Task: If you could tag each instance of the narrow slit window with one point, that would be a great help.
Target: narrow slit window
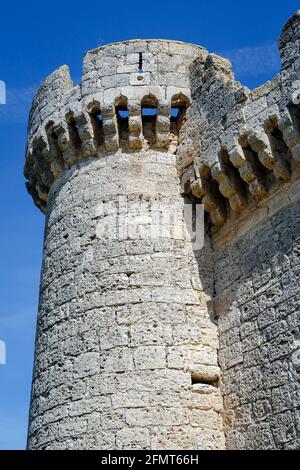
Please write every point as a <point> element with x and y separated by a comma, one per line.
<point>179,106</point>
<point>149,119</point>
<point>121,109</point>
<point>73,132</point>
<point>97,124</point>
<point>140,70</point>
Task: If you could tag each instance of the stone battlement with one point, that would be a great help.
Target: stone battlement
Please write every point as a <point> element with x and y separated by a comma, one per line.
<point>243,167</point>
<point>101,129</point>
<point>125,101</point>
<point>134,95</point>
<point>249,141</point>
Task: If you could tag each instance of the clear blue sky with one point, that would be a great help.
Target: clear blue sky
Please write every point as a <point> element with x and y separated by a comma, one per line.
<point>37,37</point>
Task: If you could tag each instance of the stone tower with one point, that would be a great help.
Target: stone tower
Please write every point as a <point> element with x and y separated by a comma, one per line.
<point>143,341</point>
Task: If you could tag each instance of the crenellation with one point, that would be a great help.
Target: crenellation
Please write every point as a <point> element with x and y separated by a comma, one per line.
<point>75,134</point>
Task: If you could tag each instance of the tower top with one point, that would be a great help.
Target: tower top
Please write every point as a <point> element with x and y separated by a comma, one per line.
<point>68,123</point>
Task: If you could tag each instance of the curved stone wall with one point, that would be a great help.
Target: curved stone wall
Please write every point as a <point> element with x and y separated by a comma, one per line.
<point>126,351</point>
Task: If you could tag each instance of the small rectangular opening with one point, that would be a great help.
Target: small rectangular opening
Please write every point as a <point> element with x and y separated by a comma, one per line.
<point>175,112</point>
<point>74,133</point>
<point>97,123</point>
<point>123,113</point>
<point>205,379</point>
<point>123,123</point>
<point>140,62</point>
<point>147,111</point>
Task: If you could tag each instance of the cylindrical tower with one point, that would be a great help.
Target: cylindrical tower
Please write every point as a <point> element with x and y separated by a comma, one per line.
<point>126,345</point>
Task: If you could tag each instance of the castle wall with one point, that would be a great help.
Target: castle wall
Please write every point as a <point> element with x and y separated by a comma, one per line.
<point>123,323</point>
<point>257,300</point>
<point>246,174</point>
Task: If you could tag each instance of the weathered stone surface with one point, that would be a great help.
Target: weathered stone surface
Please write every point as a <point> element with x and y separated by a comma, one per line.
<point>116,333</point>
<point>143,342</point>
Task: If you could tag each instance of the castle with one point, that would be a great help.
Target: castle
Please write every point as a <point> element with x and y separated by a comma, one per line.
<point>149,343</point>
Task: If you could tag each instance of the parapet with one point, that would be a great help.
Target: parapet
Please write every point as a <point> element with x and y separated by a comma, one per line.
<point>233,146</point>
<point>133,96</point>
<point>249,140</point>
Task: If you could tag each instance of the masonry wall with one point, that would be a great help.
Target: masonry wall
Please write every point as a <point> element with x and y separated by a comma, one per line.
<point>127,339</point>
<point>257,298</point>
<point>245,171</point>
<point>123,323</point>
<point>126,346</point>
